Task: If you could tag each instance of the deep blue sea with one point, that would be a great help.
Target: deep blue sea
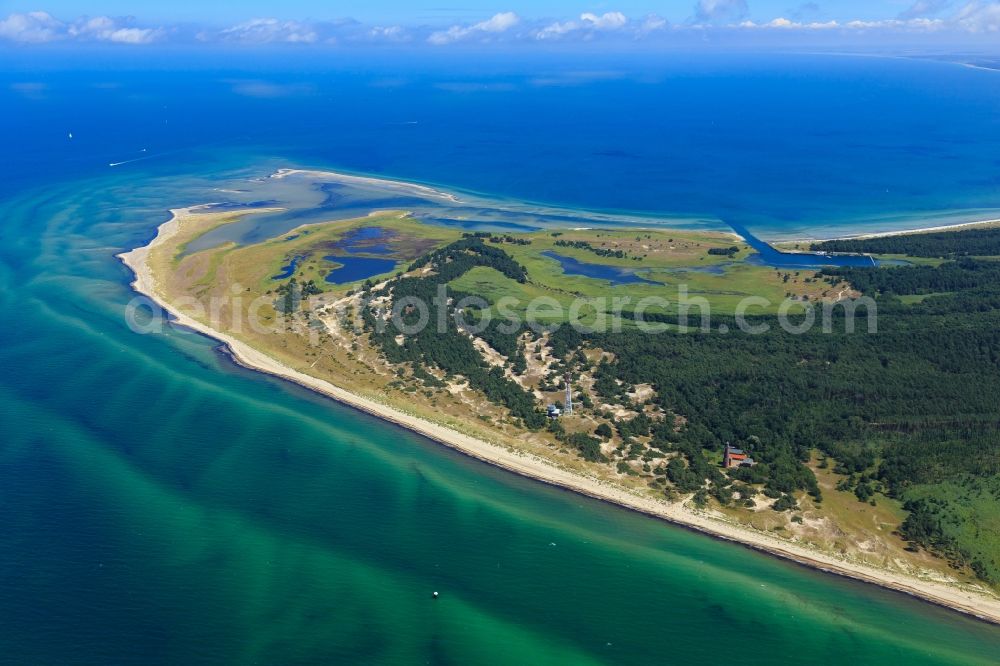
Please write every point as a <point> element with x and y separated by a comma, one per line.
<point>787,145</point>
<point>159,505</point>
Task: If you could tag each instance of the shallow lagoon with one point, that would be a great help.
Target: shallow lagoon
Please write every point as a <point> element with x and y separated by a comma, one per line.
<point>355,269</point>
<point>613,274</point>
<point>289,269</point>
<point>359,241</point>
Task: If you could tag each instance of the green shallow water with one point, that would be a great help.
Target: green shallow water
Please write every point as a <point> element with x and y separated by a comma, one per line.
<point>160,505</point>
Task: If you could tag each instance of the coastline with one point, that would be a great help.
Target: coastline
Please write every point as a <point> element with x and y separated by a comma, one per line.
<point>979,605</point>
<point>724,229</point>
<point>366,180</point>
<point>594,219</point>
<point>897,232</point>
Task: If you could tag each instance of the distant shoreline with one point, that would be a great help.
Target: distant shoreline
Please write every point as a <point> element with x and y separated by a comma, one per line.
<point>979,605</point>
<point>958,226</point>
<point>676,222</point>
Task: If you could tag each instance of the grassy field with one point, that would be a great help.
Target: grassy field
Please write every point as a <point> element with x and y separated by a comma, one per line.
<point>675,260</point>
<point>254,267</point>
<point>671,261</point>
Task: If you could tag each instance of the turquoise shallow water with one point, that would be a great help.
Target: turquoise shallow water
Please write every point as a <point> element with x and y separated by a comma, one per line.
<point>160,505</point>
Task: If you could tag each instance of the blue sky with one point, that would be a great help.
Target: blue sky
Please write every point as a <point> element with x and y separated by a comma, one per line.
<point>450,23</point>
<point>392,11</point>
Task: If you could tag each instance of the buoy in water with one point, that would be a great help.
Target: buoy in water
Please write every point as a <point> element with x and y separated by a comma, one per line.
<point>435,595</point>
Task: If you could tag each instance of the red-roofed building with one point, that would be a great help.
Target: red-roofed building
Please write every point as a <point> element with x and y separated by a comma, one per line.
<point>734,457</point>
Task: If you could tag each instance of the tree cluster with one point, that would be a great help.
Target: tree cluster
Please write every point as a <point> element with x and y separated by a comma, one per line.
<point>944,244</point>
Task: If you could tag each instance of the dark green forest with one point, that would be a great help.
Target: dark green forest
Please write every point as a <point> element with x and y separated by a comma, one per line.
<point>942,244</point>
<point>911,411</point>
<point>913,404</point>
<point>449,349</point>
<point>965,274</point>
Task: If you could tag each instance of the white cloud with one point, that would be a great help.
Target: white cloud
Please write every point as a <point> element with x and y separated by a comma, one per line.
<point>913,25</point>
<point>967,19</point>
<point>392,33</point>
<point>557,29</point>
<point>587,26</point>
<point>270,31</point>
<point>979,17</point>
<point>134,36</point>
<point>107,29</point>
<point>41,28</point>
<point>713,11</point>
<point>654,22</point>
<point>607,21</point>
<point>31,28</point>
<point>497,24</point>
<point>798,25</point>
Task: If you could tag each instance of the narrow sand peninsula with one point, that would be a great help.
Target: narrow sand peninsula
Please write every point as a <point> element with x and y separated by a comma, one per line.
<point>958,226</point>
<point>964,600</point>
<point>397,185</point>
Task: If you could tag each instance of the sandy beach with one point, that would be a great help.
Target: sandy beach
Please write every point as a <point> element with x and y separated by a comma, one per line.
<point>960,226</point>
<point>963,599</point>
<point>365,180</point>
<point>926,230</point>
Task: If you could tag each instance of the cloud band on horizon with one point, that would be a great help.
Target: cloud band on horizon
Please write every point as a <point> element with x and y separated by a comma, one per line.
<point>723,17</point>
